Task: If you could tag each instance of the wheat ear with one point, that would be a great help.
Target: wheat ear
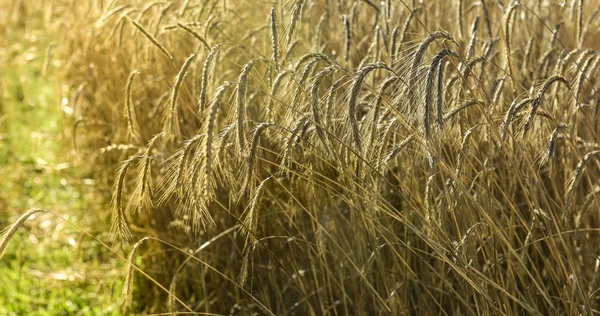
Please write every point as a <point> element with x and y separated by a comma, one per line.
<point>460,17</point>
<point>348,37</point>
<point>127,292</point>
<point>540,95</point>
<point>354,92</point>
<point>172,123</point>
<point>205,70</point>
<point>552,143</point>
<point>252,155</point>
<point>142,195</point>
<point>274,39</point>
<point>296,15</point>
<point>315,102</point>
<point>133,129</point>
<point>242,88</point>
<point>405,28</point>
<point>473,40</point>
<point>154,41</point>
<point>194,34</point>
<point>208,146</point>
<point>274,88</point>
<point>429,90</point>
<point>6,235</point>
<point>507,29</point>
<point>420,53</point>
<point>574,180</point>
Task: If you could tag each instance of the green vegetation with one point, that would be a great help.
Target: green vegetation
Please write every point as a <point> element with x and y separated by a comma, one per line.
<point>312,157</point>
<point>50,268</point>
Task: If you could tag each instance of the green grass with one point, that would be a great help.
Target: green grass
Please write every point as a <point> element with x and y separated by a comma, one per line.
<point>50,268</point>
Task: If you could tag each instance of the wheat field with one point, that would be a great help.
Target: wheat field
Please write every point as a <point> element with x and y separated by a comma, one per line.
<point>339,157</point>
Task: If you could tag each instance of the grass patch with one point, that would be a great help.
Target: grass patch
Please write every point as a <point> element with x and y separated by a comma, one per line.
<point>49,268</point>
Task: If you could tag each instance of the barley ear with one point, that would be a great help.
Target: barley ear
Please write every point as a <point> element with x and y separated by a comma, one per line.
<point>405,28</point>
<point>316,112</point>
